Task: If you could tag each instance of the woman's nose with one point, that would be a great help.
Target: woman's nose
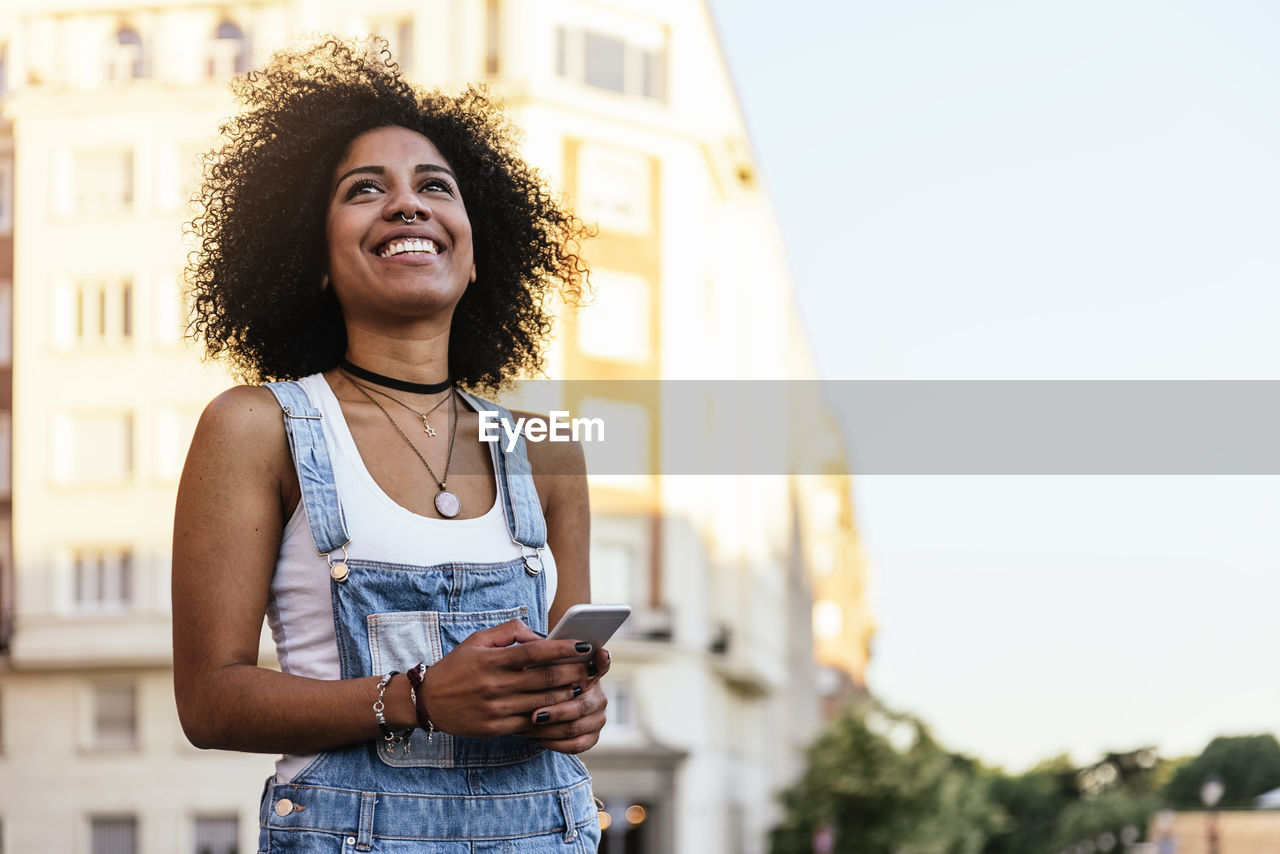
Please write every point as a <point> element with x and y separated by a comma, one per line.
<point>406,205</point>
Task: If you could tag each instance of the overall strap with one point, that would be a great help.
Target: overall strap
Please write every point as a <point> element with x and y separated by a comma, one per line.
<point>519,497</point>
<point>303,424</point>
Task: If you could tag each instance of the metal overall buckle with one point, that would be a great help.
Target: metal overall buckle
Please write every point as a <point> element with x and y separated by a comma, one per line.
<point>531,558</point>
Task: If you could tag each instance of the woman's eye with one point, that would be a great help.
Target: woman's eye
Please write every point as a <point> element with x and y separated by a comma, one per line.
<point>362,187</point>
<point>438,185</point>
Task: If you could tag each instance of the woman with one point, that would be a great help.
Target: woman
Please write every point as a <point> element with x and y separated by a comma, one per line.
<point>382,246</point>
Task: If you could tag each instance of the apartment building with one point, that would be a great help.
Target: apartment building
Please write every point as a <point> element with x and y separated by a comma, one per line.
<point>628,108</point>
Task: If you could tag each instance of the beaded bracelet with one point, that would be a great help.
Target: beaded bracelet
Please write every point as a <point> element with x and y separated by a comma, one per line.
<point>416,676</point>
<point>392,739</point>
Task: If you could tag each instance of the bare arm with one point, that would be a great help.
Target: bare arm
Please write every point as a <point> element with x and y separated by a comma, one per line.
<point>237,486</point>
<point>560,474</point>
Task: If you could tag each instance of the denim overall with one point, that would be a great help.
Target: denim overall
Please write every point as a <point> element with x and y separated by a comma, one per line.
<point>446,795</point>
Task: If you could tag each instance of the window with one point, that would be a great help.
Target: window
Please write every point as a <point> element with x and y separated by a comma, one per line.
<point>102,180</point>
<point>179,169</point>
<point>174,428</point>
<point>125,60</point>
<point>621,566</point>
<point>115,717</point>
<point>626,825</point>
<point>113,835</point>
<point>170,307</point>
<point>614,569</point>
<point>492,37</point>
<point>633,65</point>
<point>91,447</point>
<point>605,60</point>
<point>614,188</point>
<point>6,322</point>
<point>92,314</point>
<point>6,456</point>
<point>622,460</point>
<point>828,619</point>
<point>217,835</point>
<point>227,51</point>
<point>622,709</point>
<point>6,195</point>
<point>102,579</point>
<point>616,324</point>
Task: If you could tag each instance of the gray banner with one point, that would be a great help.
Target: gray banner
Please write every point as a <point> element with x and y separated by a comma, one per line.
<point>912,427</point>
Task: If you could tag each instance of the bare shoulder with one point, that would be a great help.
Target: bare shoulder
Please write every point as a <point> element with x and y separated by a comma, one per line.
<point>242,407</point>
<point>241,431</point>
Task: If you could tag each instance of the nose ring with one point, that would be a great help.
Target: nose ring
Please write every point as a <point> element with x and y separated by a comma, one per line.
<point>409,219</point>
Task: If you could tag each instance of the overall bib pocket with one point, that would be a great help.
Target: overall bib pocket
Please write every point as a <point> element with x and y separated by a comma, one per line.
<point>401,639</point>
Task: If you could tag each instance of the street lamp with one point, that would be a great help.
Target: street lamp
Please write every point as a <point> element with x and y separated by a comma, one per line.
<point>1211,791</point>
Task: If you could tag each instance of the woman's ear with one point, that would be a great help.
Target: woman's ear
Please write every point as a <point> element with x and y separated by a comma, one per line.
<point>324,281</point>
<point>473,272</point>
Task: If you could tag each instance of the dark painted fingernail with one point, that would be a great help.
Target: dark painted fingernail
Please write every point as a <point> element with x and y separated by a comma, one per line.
<point>592,670</point>
<point>582,646</point>
<point>577,689</point>
<point>538,633</point>
<point>608,658</point>
<point>542,717</point>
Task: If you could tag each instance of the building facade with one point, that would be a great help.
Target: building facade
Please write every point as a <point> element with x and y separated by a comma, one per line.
<point>628,109</point>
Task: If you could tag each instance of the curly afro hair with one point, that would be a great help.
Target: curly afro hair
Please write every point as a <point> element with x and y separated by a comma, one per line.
<point>256,275</point>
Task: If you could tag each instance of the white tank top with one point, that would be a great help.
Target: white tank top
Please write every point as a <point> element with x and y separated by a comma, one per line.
<point>300,611</point>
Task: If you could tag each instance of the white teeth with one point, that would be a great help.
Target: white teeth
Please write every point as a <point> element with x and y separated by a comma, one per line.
<point>409,244</point>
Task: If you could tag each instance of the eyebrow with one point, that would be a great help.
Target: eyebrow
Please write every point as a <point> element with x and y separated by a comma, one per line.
<point>382,170</point>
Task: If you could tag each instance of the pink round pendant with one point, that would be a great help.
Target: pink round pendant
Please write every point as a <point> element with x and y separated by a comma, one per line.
<point>447,504</point>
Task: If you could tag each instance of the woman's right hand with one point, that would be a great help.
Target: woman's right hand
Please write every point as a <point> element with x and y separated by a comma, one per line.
<point>489,684</point>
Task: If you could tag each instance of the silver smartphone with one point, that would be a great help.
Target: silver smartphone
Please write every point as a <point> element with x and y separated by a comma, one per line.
<point>592,623</point>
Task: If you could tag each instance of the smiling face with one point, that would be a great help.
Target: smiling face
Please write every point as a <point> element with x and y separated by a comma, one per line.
<point>379,265</point>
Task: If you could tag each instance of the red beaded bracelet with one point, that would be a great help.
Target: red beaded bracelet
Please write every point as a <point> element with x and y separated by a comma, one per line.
<point>416,676</point>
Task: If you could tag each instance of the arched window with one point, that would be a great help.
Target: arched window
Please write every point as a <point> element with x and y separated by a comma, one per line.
<point>126,59</point>
<point>227,51</point>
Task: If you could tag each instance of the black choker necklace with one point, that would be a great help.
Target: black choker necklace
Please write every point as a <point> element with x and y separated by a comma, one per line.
<point>392,382</point>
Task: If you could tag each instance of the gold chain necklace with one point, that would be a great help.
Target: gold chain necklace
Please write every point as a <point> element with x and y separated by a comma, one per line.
<point>426,427</point>
<point>447,503</point>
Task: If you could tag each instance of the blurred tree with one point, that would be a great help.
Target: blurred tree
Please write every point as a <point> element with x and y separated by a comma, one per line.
<point>1248,765</point>
<point>1033,801</point>
<point>1109,811</point>
<point>881,785</point>
<point>1165,772</point>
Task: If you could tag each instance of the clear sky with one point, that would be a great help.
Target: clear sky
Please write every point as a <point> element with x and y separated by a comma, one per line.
<point>1012,190</point>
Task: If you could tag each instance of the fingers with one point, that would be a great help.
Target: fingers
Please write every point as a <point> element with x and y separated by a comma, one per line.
<point>510,632</point>
<point>495,682</point>
<point>525,648</point>
<point>564,719</point>
<point>571,726</point>
<point>511,714</point>
<point>571,745</point>
<point>550,677</point>
<point>600,664</point>
<point>540,653</point>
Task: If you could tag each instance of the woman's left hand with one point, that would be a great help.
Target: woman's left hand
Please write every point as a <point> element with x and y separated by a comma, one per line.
<point>574,725</point>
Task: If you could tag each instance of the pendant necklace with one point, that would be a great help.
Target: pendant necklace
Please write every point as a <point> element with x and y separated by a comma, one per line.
<point>426,426</point>
<point>447,503</point>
